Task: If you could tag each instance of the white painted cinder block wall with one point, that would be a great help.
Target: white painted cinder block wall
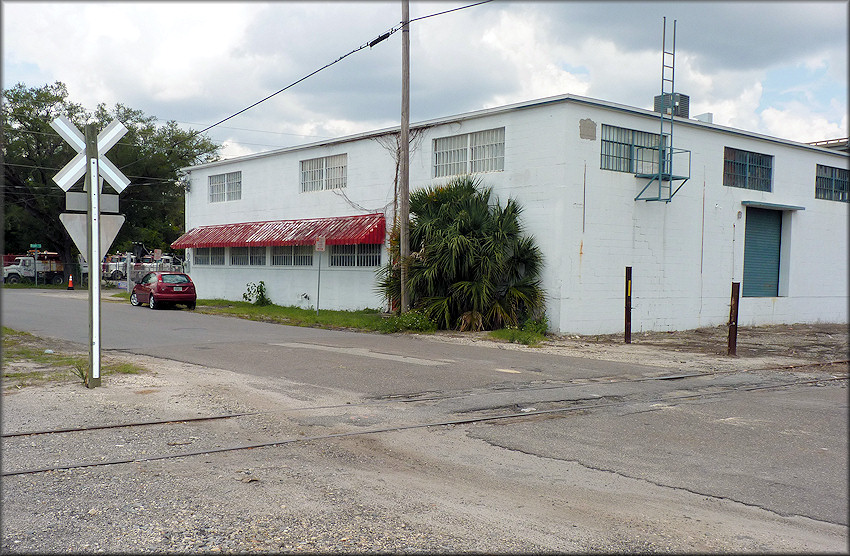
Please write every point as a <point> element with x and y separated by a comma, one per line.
<point>685,254</point>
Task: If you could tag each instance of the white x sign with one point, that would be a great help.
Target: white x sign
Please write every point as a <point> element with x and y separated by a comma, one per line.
<point>75,169</point>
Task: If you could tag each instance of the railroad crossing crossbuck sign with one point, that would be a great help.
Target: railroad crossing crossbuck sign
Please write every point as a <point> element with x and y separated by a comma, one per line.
<point>76,222</point>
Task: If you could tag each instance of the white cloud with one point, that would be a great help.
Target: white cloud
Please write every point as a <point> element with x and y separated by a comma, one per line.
<point>202,61</point>
<point>798,123</point>
<point>528,52</point>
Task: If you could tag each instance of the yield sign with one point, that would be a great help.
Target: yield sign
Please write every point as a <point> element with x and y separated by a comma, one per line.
<point>76,223</point>
<point>75,169</point>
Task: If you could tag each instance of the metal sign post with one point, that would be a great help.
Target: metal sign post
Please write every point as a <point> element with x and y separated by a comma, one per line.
<point>320,247</point>
<point>35,246</point>
<point>92,186</point>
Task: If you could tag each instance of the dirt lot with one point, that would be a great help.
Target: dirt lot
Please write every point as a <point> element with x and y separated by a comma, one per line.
<point>760,347</point>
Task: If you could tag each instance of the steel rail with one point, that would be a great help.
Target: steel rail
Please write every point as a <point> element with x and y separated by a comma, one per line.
<point>400,399</point>
<point>452,422</point>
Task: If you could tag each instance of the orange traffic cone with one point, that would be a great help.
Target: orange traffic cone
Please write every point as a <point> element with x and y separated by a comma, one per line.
<point>70,282</point>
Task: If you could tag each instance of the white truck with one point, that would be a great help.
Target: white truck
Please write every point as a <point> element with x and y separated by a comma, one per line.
<point>48,269</point>
<point>115,267</point>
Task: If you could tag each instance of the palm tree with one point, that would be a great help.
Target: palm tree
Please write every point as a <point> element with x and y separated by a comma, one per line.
<point>470,266</point>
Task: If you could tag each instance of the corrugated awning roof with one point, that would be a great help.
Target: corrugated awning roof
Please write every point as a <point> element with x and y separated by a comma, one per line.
<point>341,230</point>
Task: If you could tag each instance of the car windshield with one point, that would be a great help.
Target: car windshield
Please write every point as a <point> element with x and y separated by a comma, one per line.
<point>175,278</point>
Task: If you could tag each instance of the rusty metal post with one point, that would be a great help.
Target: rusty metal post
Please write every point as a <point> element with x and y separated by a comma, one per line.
<point>733,320</point>
<point>628,304</point>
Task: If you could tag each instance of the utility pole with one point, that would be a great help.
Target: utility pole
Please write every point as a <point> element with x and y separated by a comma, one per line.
<point>404,155</point>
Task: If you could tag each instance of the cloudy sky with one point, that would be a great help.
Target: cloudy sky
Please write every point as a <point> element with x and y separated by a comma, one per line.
<point>774,68</point>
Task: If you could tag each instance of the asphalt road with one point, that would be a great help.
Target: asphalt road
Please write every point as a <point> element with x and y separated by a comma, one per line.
<point>740,437</point>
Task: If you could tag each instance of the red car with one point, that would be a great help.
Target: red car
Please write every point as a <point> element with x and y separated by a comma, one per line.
<point>159,289</point>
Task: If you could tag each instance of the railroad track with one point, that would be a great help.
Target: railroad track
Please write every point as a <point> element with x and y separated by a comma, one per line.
<point>470,407</point>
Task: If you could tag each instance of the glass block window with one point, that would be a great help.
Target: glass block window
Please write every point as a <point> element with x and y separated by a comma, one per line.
<point>831,183</point>
<point>327,172</point>
<point>487,150</point>
<point>629,150</point>
<point>225,187</point>
<point>239,256</point>
<point>257,256</point>
<point>202,255</point>
<point>747,170</point>
<point>217,255</point>
<point>482,151</point>
<point>355,255</point>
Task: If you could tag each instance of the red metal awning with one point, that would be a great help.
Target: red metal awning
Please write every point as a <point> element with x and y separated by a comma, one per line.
<point>341,230</point>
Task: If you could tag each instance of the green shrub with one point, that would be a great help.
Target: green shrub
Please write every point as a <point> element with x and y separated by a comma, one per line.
<point>410,321</point>
<point>516,336</point>
<point>256,294</point>
<point>538,326</point>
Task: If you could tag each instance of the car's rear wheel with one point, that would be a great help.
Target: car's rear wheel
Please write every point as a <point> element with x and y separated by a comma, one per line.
<point>152,303</point>
<point>134,300</point>
<point>190,306</point>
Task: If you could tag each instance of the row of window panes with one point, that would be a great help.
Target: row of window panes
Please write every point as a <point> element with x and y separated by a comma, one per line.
<point>831,183</point>
<point>629,150</point>
<point>363,254</point>
<point>747,170</point>
<point>291,255</point>
<point>482,151</point>
<point>327,172</point>
<point>209,256</point>
<point>225,187</point>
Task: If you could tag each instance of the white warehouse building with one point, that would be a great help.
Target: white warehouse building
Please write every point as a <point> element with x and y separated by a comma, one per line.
<point>727,206</point>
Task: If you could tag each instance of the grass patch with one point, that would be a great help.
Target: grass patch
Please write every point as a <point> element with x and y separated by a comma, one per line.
<point>365,319</point>
<point>31,285</point>
<point>513,335</point>
<point>29,360</point>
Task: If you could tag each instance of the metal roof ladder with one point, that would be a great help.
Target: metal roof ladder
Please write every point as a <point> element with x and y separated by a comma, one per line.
<point>663,183</point>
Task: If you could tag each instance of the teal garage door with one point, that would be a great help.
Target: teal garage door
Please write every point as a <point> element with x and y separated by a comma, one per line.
<point>762,239</point>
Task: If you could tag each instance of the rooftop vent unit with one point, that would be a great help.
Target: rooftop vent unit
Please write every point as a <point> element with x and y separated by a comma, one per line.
<point>678,103</point>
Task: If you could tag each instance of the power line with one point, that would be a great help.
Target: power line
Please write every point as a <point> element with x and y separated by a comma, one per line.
<point>253,130</point>
<point>450,11</point>
<point>36,167</point>
<point>369,44</point>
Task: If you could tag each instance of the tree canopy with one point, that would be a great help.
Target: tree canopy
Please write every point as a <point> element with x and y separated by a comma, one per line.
<point>150,155</point>
<point>470,267</point>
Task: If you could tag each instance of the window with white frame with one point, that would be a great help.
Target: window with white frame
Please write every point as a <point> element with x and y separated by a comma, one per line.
<point>282,255</point>
<point>217,256</point>
<point>747,170</point>
<point>202,255</point>
<point>327,172</point>
<point>369,254</point>
<point>629,150</point>
<point>225,187</point>
<point>482,151</point>
<point>302,255</point>
<point>257,256</point>
<point>292,255</point>
<point>363,254</point>
<point>831,183</point>
<point>239,256</point>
